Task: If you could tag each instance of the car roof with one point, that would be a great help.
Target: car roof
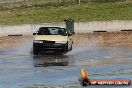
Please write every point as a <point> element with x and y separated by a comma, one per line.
<point>50,27</point>
<point>53,27</point>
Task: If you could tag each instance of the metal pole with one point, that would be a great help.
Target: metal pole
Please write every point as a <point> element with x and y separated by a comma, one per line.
<point>79,1</point>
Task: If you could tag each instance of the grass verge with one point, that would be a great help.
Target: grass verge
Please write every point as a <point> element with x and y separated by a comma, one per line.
<point>41,12</point>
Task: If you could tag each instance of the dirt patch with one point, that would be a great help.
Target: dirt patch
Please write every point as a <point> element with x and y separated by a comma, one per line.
<point>114,37</point>
<point>110,38</point>
<point>103,38</point>
<point>82,37</point>
<point>9,41</point>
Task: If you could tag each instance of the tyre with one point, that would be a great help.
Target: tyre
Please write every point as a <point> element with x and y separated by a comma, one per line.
<point>35,52</point>
<point>66,47</point>
<point>70,48</point>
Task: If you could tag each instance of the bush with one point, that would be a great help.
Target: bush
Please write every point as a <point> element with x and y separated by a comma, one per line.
<point>101,1</point>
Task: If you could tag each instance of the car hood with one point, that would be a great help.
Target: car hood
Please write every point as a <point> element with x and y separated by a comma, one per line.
<point>51,37</point>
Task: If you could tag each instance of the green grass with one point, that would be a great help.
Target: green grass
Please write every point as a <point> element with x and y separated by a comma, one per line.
<point>45,12</point>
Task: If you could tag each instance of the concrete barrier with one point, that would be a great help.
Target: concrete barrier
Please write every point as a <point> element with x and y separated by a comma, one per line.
<point>15,30</point>
<point>80,27</point>
<point>109,26</point>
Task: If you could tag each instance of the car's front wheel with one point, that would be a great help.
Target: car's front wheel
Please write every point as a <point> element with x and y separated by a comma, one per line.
<point>65,49</point>
<point>35,51</point>
<point>70,48</point>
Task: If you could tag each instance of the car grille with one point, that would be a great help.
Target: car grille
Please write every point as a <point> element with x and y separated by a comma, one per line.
<point>48,42</point>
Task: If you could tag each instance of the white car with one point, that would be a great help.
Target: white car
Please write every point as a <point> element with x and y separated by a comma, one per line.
<point>52,39</point>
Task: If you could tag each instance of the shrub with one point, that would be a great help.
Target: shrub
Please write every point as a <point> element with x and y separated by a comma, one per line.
<point>101,1</point>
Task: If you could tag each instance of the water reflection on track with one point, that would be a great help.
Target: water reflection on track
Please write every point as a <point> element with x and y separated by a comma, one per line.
<point>45,61</point>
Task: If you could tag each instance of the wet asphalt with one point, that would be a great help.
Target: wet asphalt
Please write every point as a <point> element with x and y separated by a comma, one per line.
<point>19,68</point>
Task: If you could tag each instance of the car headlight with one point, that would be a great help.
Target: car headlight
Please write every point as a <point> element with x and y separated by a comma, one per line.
<point>63,42</point>
<point>37,41</point>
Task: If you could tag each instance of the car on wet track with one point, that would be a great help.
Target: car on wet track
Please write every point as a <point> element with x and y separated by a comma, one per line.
<point>52,40</point>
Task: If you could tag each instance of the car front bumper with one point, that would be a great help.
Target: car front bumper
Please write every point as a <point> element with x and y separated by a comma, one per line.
<point>47,47</point>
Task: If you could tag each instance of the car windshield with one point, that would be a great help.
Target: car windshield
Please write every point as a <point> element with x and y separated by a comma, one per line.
<point>52,31</point>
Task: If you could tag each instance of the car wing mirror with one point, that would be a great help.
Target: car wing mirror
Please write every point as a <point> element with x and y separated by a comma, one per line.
<point>35,33</point>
